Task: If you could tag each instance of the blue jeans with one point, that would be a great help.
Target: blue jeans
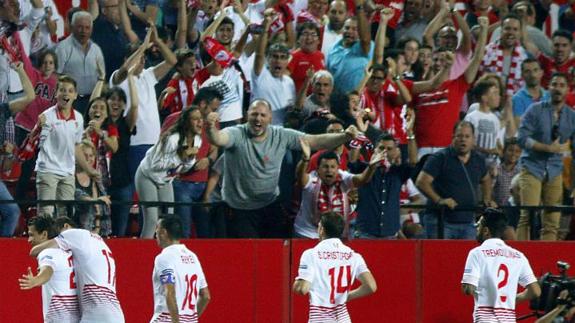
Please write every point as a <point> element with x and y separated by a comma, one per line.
<point>451,230</point>
<point>192,192</point>
<point>121,212</point>
<point>135,156</point>
<point>9,213</point>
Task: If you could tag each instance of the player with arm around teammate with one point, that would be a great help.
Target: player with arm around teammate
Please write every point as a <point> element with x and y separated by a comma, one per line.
<point>181,292</point>
<point>95,271</point>
<point>493,270</point>
<point>55,275</point>
<point>328,271</point>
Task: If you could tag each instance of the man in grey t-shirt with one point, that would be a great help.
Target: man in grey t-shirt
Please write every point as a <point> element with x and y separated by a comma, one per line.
<point>254,153</point>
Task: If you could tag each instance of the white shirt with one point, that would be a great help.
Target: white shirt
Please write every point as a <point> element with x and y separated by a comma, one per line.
<point>58,139</point>
<point>322,266</point>
<point>495,269</point>
<point>278,91</point>
<point>95,270</point>
<point>306,222</point>
<point>231,86</point>
<point>330,37</point>
<point>148,122</point>
<point>162,163</point>
<point>59,295</point>
<point>177,265</point>
<point>487,129</point>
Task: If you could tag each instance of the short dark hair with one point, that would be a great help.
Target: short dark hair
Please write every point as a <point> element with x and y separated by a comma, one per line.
<point>482,87</point>
<point>496,221</point>
<point>173,225</point>
<point>385,136</point>
<point>336,121</point>
<point>512,16</point>
<point>403,41</point>
<point>563,33</point>
<point>379,67</point>
<point>511,141</point>
<point>182,54</point>
<point>333,224</point>
<point>116,90</point>
<point>307,25</point>
<point>207,94</point>
<point>327,155</point>
<point>67,79</point>
<point>46,52</point>
<point>43,223</point>
<point>559,74</point>
<point>529,60</point>
<point>61,221</point>
<point>278,48</point>
<point>226,21</point>
<point>463,123</point>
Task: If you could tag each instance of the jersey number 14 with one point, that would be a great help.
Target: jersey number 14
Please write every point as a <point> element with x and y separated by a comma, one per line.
<point>342,286</point>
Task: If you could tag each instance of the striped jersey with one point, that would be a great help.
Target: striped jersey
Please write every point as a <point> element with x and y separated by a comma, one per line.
<point>177,265</point>
<point>59,296</point>
<point>95,270</point>
<point>331,268</point>
<point>495,269</point>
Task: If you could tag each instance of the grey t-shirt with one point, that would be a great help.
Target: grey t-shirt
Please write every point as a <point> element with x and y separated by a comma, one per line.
<point>252,169</point>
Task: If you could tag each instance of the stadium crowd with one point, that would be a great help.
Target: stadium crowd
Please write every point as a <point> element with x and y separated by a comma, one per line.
<point>269,113</point>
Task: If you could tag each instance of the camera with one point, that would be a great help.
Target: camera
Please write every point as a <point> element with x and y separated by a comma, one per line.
<point>551,286</point>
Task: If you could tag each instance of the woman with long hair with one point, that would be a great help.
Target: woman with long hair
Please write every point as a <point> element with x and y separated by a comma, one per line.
<point>173,154</point>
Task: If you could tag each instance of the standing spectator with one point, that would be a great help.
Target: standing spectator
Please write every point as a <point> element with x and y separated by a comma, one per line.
<point>254,154</point>
<point>112,31</point>
<point>142,13</point>
<point>450,178</point>
<point>495,301</point>
<point>307,56</point>
<point>326,189</point>
<point>333,31</point>
<point>410,48</point>
<point>334,126</point>
<point>175,153</point>
<point>532,92</point>
<point>148,117</point>
<point>319,101</point>
<point>78,56</point>
<point>545,134</point>
<point>412,23</point>
<point>561,60</point>
<point>271,82</point>
<point>506,171</point>
<point>179,92</point>
<point>350,55</point>
<point>60,137</point>
<point>505,55</point>
<point>378,212</point>
<point>9,213</point>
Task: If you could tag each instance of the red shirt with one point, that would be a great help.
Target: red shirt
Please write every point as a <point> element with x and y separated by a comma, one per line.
<point>301,62</point>
<point>549,67</point>
<point>184,91</point>
<point>437,112</point>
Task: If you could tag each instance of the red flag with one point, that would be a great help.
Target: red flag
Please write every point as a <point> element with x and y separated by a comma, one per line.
<point>218,52</point>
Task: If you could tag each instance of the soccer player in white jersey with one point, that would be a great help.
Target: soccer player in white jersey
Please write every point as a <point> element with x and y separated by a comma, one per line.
<point>493,270</point>
<point>180,289</point>
<point>55,275</point>
<point>328,271</point>
<point>95,270</point>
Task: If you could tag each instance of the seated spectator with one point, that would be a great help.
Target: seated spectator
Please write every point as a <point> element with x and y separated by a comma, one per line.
<point>96,217</point>
<point>175,153</point>
<point>325,190</point>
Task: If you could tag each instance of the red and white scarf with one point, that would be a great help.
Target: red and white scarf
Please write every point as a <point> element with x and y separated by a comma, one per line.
<point>331,198</point>
<point>493,63</point>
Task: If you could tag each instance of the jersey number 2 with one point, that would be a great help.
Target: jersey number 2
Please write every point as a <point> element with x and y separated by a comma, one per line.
<point>340,288</point>
<point>191,292</point>
<point>503,268</point>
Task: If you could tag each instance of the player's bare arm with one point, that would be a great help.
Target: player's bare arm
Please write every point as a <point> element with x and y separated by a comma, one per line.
<point>468,289</point>
<point>368,286</point>
<point>301,287</point>
<point>29,281</point>
<point>35,251</point>
<point>203,300</point>
<point>172,303</point>
<point>532,291</point>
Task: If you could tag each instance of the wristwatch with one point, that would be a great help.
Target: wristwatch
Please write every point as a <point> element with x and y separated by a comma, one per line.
<point>397,78</point>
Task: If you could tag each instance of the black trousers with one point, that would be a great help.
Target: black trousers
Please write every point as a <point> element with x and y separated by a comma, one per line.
<point>268,222</point>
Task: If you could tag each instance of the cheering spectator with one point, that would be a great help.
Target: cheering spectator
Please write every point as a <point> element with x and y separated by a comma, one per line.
<point>560,61</point>
<point>142,12</point>
<point>412,23</point>
<point>319,100</point>
<point>410,48</point>
<point>307,56</point>
<point>333,31</point>
<point>78,56</point>
<point>254,154</point>
<point>179,93</point>
<point>334,126</point>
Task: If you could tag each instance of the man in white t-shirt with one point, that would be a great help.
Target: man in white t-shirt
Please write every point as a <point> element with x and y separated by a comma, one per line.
<point>55,275</point>
<point>493,271</point>
<point>95,271</point>
<point>328,271</point>
<point>181,292</point>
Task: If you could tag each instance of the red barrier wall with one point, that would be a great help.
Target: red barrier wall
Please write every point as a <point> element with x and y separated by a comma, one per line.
<point>418,281</point>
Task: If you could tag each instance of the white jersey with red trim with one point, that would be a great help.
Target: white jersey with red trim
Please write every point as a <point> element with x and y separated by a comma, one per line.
<point>177,265</point>
<point>331,268</point>
<point>95,270</point>
<point>59,295</point>
<point>495,269</point>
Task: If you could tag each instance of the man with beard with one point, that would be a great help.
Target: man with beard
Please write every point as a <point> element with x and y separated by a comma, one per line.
<point>532,91</point>
<point>560,61</point>
<point>545,133</point>
<point>332,32</point>
<point>254,153</point>
<point>493,271</point>
<point>450,178</point>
